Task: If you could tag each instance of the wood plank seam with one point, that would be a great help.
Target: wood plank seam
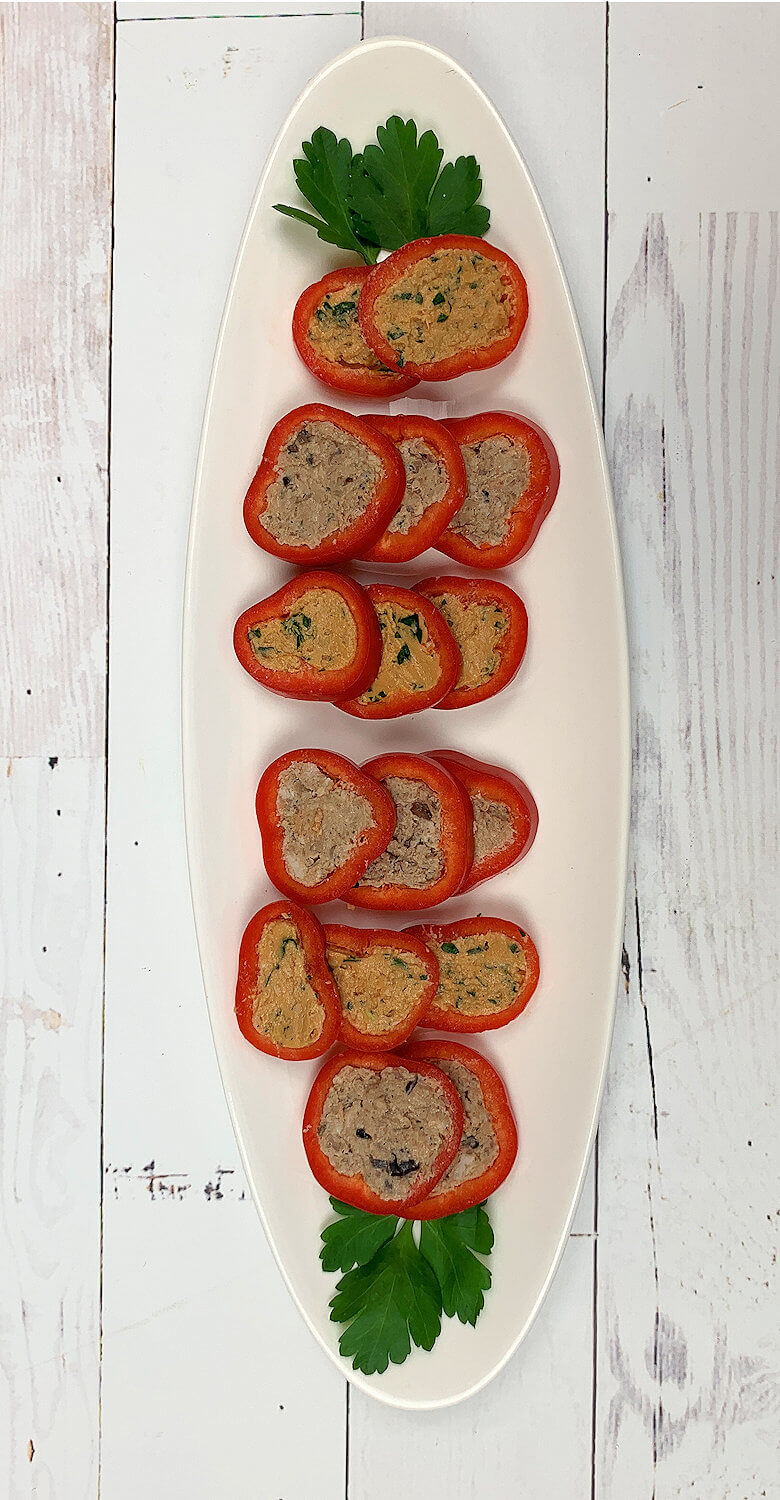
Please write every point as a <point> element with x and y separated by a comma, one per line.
<point>106,754</point>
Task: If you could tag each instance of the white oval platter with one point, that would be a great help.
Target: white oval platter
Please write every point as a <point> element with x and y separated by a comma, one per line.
<point>563,725</point>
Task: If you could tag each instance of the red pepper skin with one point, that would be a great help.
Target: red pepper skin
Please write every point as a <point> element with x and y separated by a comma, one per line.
<point>313,945</point>
<point>442,1018</point>
<point>387,271</point>
<point>308,684</point>
<point>400,546</point>
<point>495,784</point>
<point>362,940</point>
<point>354,1189</point>
<point>477,1189</point>
<point>510,648</point>
<point>457,836</point>
<point>354,380</point>
<point>372,843</point>
<point>537,499</point>
<point>356,536</point>
<point>404,701</point>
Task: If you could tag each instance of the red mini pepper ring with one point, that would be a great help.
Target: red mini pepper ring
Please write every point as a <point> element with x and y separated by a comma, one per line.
<point>440,862</point>
<point>451,1195</point>
<point>505,815</point>
<point>319,814</point>
<point>432,327</point>
<point>420,657</point>
<point>385,980</point>
<point>397,1141</point>
<point>340,631</point>
<point>469,538</point>
<point>489,658</point>
<point>472,997</point>
<point>286,1001</point>
<point>328,310</point>
<point>378,489</point>
<point>421,442</point>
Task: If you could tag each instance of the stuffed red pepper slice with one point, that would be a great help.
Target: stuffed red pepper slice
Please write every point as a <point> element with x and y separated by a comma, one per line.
<point>488,1145</point>
<point>385,980</point>
<point>490,625</point>
<point>286,1001</point>
<point>435,486</point>
<point>420,659</point>
<point>316,637</point>
<point>505,814</point>
<point>326,487</point>
<point>432,847</point>
<point>442,306</point>
<point>380,1131</point>
<point>488,971</point>
<point>327,334</point>
<point>512,476</point>
<point>323,822</point>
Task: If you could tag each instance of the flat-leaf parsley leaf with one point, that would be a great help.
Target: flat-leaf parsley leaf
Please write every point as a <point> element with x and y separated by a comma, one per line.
<point>450,1245</point>
<point>353,1238</point>
<point>391,1303</point>
<point>394,191</point>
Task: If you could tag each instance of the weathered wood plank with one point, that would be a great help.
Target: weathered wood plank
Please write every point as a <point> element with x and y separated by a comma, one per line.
<point>51,951</point>
<point>203,1346</point>
<point>55,208</point>
<point>688,1379</point>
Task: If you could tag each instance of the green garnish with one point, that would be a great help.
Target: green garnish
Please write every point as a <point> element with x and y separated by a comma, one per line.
<point>392,192</point>
<point>396,1287</point>
<point>413,623</point>
<point>403,655</point>
<point>449,947</point>
<point>298,625</point>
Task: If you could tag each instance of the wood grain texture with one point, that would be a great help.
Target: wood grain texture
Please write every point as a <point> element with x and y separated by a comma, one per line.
<point>55,207</point>
<point>203,1344</point>
<point>688,1376</point>
<point>51,949</point>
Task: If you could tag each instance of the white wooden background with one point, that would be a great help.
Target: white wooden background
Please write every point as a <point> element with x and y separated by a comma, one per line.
<point>147,1344</point>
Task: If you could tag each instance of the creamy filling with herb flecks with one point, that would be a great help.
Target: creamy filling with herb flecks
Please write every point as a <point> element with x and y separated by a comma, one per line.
<point>410,659</point>
<point>445,304</point>
<point>285,1006</point>
<point>479,974</point>
<point>378,988</point>
<point>316,634</point>
<point>478,629</point>
<point>334,332</point>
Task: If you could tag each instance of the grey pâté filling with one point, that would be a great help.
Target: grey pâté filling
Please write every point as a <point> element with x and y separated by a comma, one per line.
<point>493,827</point>
<point>318,632</point>
<point>480,973</point>
<point>444,305</point>
<point>478,630</point>
<point>386,1126</point>
<point>322,821</point>
<point>413,857</point>
<point>334,332</point>
<point>378,988</point>
<point>478,1145</point>
<point>498,473</point>
<point>326,479</point>
<point>285,1006</point>
<point>426,483</point>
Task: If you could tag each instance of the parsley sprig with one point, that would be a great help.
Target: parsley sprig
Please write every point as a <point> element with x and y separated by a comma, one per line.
<point>390,193</point>
<point>396,1287</point>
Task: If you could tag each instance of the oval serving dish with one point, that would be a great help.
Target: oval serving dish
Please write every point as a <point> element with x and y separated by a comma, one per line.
<point>563,725</point>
